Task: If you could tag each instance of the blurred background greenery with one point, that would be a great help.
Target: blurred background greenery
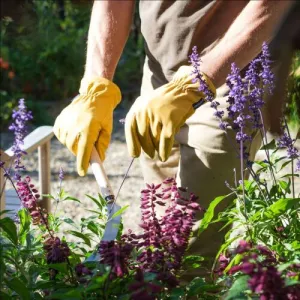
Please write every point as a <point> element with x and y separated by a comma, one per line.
<point>43,46</point>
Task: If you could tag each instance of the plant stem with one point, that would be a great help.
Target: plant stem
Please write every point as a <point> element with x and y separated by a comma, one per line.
<point>264,135</point>
<point>293,181</point>
<point>252,173</point>
<point>242,175</point>
<point>71,271</point>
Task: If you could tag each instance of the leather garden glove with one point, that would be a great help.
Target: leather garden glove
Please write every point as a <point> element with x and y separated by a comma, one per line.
<point>88,121</point>
<point>153,120</point>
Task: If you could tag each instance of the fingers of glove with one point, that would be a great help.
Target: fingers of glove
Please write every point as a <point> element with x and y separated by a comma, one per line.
<point>131,134</point>
<point>166,143</point>
<point>144,134</point>
<point>155,133</point>
<point>103,142</point>
<point>85,145</point>
<point>71,141</point>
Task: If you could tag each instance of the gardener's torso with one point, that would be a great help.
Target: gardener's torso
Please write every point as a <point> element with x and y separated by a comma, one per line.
<point>172,28</point>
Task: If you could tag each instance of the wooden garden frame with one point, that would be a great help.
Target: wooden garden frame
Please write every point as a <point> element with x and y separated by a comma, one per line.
<point>39,139</point>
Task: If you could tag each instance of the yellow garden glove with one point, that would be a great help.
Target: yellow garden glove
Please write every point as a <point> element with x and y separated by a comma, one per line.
<point>153,120</point>
<point>88,120</point>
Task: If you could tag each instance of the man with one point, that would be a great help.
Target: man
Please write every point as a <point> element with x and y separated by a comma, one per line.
<point>162,127</point>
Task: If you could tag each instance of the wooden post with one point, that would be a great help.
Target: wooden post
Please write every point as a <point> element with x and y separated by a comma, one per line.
<point>2,186</point>
<point>6,159</point>
<point>44,174</point>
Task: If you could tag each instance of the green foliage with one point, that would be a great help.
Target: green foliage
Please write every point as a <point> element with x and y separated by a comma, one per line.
<point>48,53</point>
<point>237,291</point>
<point>45,51</point>
<point>293,104</point>
<point>265,212</point>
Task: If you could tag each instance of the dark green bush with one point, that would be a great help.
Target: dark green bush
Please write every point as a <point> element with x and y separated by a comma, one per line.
<point>45,48</point>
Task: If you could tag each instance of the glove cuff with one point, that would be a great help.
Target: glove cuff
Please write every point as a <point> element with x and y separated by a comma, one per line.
<point>100,85</point>
<point>187,81</point>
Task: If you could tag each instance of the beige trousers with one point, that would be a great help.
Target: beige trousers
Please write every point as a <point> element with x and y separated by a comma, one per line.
<point>202,159</point>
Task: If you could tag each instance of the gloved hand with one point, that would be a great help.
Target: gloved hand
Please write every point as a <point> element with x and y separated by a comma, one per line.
<point>153,120</point>
<point>87,121</point>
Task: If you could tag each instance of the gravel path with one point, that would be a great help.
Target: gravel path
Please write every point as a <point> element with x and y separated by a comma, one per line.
<point>116,164</point>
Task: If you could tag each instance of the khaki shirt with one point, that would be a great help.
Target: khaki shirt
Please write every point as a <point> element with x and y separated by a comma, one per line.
<point>172,28</point>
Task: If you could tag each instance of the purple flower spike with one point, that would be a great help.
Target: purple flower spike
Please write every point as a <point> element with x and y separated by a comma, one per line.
<point>203,87</point>
<point>285,141</point>
<point>61,174</point>
<point>19,128</point>
<point>266,73</point>
<point>164,240</point>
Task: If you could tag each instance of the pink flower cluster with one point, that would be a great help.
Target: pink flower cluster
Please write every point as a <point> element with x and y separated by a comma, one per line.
<point>260,264</point>
<point>161,246</point>
<point>29,199</point>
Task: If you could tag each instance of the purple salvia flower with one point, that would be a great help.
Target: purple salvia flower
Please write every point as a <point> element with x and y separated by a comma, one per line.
<point>237,107</point>
<point>266,73</point>
<point>285,141</point>
<point>255,92</point>
<point>19,128</point>
<point>61,174</point>
<point>203,87</point>
<point>259,76</point>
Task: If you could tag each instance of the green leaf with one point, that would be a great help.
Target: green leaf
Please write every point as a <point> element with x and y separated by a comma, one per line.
<point>69,198</point>
<point>177,293</point>
<point>70,293</point>
<point>270,146</point>
<point>82,236</point>
<point>48,196</point>
<point>61,267</point>
<point>209,214</point>
<point>235,261</point>
<point>69,221</point>
<point>9,227</point>
<point>284,164</point>
<point>97,202</point>
<point>238,288</point>
<point>224,247</point>
<point>19,287</point>
<point>199,286</point>
<point>193,261</point>
<point>96,283</point>
<point>24,223</point>
<point>4,296</point>
<point>120,231</point>
<point>290,175</point>
<point>285,185</point>
<point>276,209</point>
<point>93,227</point>
<point>120,211</point>
<point>95,212</point>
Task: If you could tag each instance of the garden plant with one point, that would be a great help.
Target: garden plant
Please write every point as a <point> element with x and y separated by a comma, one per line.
<point>259,258</point>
